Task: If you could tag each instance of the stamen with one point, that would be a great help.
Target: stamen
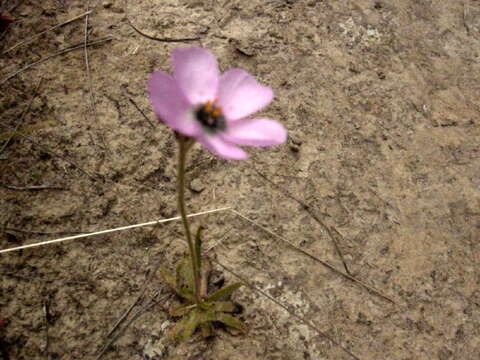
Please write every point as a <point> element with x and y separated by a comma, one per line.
<point>210,116</point>
<point>208,106</point>
<point>217,111</point>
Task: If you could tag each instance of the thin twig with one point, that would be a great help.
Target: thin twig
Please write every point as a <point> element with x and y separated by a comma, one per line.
<point>324,263</point>
<point>135,316</point>
<point>465,15</point>
<point>161,39</point>
<point>4,33</point>
<point>314,217</point>
<point>60,52</point>
<point>218,242</point>
<point>310,324</point>
<point>89,79</point>
<point>33,188</point>
<point>17,4</point>
<point>32,38</point>
<point>87,66</point>
<point>148,277</point>
<point>22,117</point>
<point>51,152</point>
<point>47,337</point>
<point>140,111</point>
<point>127,312</point>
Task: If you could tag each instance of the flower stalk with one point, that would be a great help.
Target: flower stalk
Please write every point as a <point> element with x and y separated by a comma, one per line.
<point>184,144</point>
<point>203,105</point>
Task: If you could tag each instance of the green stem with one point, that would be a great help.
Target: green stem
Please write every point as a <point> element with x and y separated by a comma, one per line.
<point>184,144</point>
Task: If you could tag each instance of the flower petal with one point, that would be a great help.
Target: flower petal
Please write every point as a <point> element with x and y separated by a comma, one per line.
<point>170,104</point>
<point>241,95</point>
<point>256,132</point>
<point>196,71</point>
<point>222,148</point>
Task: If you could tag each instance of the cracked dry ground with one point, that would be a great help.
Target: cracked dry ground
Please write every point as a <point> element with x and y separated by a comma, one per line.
<point>381,100</point>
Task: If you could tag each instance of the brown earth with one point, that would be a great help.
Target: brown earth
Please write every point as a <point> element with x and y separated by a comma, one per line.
<point>381,102</point>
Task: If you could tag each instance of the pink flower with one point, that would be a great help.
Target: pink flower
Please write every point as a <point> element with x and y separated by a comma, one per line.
<point>211,107</point>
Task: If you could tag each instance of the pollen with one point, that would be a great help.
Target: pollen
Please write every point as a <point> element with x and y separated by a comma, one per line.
<point>208,106</point>
<point>210,116</point>
<point>217,111</point>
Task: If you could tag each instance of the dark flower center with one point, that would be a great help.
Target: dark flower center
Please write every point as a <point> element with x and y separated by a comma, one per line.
<point>210,116</point>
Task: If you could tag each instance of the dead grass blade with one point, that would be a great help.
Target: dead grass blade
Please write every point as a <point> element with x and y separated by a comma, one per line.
<point>36,36</point>
<point>58,53</point>
<point>53,153</point>
<point>161,39</point>
<point>324,263</point>
<point>89,80</point>
<point>33,187</point>
<point>22,117</point>
<point>140,110</point>
<point>332,232</point>
<point>310,324</point>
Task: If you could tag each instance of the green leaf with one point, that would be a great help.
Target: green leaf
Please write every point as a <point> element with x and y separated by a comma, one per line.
<point>186,294</point>
<point>225,306</point>
<point>186,327</point>
<point>168,277</point>
<point>178,311</point>
<point>224,292</point>
<point>185,278</point>
<point>198,246</point>
<point>172,283</point>
<point>231,321</point>
<point>207,329</point>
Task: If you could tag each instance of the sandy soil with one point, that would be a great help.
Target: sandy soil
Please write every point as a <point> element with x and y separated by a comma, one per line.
<point>381,100</point>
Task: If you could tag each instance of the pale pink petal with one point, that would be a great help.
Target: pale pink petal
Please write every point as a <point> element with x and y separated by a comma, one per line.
<point>222,148</point>
<point>196,71</point>
<point>170,104</point>
<point>240,95</point>
<point>256,132</point>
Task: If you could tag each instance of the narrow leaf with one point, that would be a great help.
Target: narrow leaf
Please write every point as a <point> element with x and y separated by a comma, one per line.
<point>198,246</point>
<point>224,292</point>
<point>231,321</point>
<point>207,329</point>
<point>185,279</point>
<point>186,327</point>
<point>172,283</point>
<point>178,311</point>
<point>225,306</point>
<point>168,277</point>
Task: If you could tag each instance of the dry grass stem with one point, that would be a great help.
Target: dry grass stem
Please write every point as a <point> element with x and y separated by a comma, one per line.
<point>150,223</point>
<point>324,263</point>
<point>140,111</point>
<point>33,188</point>
<point>331,231</point>
<point>34,37</point>
<point>161,39</point>
<point>22,117</point>
<point>58,53</point>
<point>283,306</point>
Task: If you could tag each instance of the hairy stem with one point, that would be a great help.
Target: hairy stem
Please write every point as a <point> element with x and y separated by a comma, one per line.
<point>184,144</point>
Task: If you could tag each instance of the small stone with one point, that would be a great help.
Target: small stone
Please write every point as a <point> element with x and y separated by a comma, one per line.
<point>197,185</point>
<point>165,325</point>
<point>107,4</point>
<point>154,350</point>
<point>294,148</point>
<point>295,145</point>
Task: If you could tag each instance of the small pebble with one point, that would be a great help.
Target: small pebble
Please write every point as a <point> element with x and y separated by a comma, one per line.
<point>197,185</point>
<point>294,148</point>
